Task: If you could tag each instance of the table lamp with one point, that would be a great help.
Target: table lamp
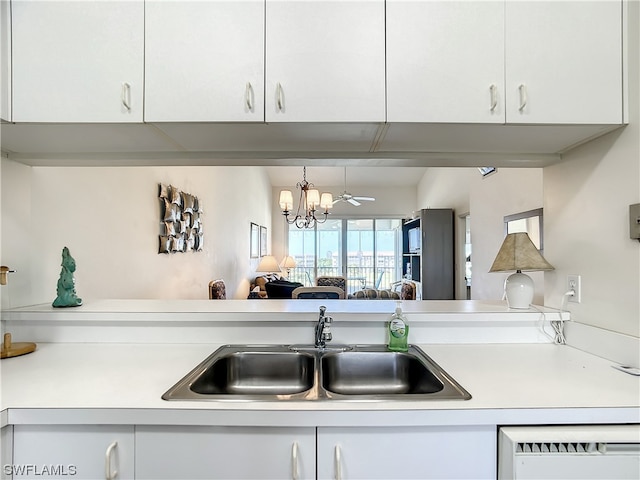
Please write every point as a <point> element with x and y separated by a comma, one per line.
<point>519,253</point>
<point>269,265</point>
<point>287,264</point>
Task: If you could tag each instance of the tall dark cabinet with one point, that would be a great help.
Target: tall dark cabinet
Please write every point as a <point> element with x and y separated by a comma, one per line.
<point>428,252</point>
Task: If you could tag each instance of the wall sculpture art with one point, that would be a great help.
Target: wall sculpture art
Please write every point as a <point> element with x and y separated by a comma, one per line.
<point>180,221</point>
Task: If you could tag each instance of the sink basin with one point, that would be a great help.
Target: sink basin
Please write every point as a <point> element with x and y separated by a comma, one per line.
<point>280,372</point>
<point>377,373</point>
<point>236,371</point>
<point>373,372</point>
<point>256,373</point>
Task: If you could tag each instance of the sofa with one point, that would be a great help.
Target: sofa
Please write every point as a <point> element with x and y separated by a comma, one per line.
<point>373,294</point>
<point>259,282</point>
<point>281,288</point>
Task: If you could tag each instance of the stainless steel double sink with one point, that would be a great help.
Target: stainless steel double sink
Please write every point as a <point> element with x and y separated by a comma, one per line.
<point>301,372</point>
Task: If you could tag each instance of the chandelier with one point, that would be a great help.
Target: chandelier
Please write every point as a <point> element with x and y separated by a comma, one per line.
<point>310,200</point>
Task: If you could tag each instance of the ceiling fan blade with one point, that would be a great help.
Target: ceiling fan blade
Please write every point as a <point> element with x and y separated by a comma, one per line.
<point>338,199</point>
<point>352,201</point>
<point>366,199</point>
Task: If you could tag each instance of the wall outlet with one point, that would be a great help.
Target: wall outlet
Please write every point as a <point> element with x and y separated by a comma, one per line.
<point>573,283</point>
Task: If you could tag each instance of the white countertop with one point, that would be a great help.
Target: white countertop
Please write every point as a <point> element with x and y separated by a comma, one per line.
<point>123,383</point>
<point>272,309</point>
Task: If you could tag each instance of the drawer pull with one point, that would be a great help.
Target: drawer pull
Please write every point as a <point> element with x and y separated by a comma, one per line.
<point>493,90</point>
<point>126,96</point>
<point>522,89</point>
<point>108,473</point>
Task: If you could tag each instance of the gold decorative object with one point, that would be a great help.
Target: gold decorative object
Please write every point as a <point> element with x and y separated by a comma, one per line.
<point>15,349</point>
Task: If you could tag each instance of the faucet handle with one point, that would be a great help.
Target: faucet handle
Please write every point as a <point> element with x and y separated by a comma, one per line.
<point>326,329</point>
<point>322,310</point>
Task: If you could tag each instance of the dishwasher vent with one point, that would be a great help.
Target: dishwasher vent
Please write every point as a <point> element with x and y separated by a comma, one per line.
<point>569,452</point>
<point>557,447</point>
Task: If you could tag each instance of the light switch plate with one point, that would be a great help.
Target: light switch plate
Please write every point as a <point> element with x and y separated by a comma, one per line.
<point>634,221</point>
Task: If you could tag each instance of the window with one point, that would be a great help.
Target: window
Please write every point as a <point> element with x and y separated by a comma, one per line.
<point>365,251</point>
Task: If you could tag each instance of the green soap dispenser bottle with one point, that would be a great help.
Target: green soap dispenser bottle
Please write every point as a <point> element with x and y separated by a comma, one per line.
<point>398,331</point>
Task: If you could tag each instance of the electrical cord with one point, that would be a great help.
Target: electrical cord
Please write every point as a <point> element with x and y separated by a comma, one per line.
<point>557,325</point>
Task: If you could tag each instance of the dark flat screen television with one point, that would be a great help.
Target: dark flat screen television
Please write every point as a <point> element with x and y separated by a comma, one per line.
<point>414,240</point>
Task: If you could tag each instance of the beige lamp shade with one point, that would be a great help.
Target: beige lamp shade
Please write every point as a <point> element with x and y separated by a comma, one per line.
<point>288,262</point>
<point>326,201</point>
<point>313,198</point>
<point>518,253</point>
<point>286,200</point>
<point>268,264</point>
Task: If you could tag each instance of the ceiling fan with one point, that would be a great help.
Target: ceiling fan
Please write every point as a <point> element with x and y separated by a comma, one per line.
<point>348,197</point>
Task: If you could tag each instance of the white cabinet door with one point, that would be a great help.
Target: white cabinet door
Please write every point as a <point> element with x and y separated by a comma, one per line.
<point>193,452</point>
<point>77,61</point>
<point>72,451</point>
<point>204,60</point>
<point>407,453</point>
<point>5,60</point>
<point>325,61</point>
<point>445,61</point>
<point>6,452</point>
<point>564,61</point>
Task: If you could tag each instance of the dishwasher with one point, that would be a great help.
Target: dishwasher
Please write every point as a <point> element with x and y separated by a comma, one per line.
<point>585,452</point>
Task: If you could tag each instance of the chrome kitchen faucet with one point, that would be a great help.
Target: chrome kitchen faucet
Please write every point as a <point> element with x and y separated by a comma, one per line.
<point>323,329</point>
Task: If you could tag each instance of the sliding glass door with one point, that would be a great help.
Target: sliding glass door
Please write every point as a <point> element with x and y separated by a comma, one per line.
<point>365,251</point>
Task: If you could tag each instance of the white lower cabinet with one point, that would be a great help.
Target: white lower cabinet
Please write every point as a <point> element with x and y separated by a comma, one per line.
<point>72,451</point>
<point>229,453</point>
<point>407,453</point>
<point>258,453</point>
<point>6,452</point>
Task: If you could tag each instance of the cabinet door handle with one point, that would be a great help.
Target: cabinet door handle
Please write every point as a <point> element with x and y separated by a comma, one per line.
<point>338,463</point>
<point>522,89</point>
<point>248,96</point>
<point>108,473</point>
<point>294,461</point>
<point>493,90</point>
<point>279,97</point>
<point>126,96</point>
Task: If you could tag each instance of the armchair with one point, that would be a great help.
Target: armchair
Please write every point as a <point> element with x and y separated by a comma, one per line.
<point>217,290</point>
<point>328,281</point>
<point>318,292</point>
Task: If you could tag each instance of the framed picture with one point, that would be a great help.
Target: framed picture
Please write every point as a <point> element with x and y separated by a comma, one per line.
<point>263,241</point>
<point>255,240</point>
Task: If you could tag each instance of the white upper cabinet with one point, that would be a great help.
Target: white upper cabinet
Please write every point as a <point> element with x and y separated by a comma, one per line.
<point>204,61</point>
<point>507,61</point>
<point>564,61</point>
<point>325,61</point>
<point>445,61</point>
<point>5,60</point>
<point>77,61</point>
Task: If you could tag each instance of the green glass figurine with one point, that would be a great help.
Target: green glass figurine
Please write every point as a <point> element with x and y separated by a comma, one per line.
<point>66,284</point>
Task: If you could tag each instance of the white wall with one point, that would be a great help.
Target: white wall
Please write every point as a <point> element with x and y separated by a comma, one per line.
<point>110,220</point>
<point>446,188</point>
<point>508,191</point>
<point>587,198</point>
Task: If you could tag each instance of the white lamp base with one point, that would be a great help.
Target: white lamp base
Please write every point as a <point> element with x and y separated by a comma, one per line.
<point>519,290</point>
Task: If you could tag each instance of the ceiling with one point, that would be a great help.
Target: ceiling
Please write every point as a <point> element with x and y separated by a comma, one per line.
<point>356,176</point>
